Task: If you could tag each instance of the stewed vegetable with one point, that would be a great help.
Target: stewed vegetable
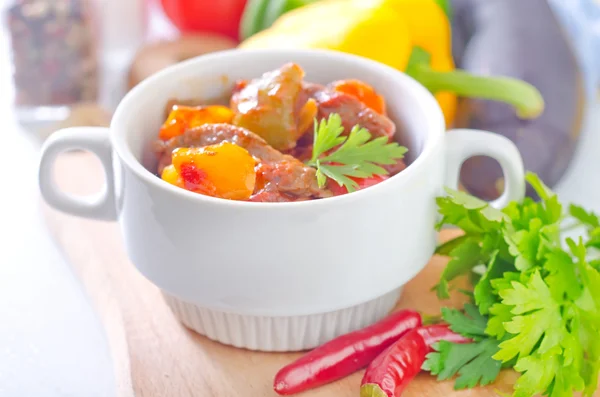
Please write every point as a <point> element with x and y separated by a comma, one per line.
<point>281,139</point>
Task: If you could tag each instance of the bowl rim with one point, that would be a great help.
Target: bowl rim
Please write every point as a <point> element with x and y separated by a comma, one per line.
<point>435,125</point>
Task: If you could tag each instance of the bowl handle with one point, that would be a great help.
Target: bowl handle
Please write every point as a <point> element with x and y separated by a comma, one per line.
<point>462,144</point>
<point>101,205</point>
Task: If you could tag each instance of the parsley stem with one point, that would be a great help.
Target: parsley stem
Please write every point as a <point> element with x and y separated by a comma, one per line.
<point>570,227</point>
<point>431,319</point>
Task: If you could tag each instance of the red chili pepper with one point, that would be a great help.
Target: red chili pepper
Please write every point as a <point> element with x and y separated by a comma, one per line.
<point>344,355</point>
<point>389,373</point>
<point>438,332</point>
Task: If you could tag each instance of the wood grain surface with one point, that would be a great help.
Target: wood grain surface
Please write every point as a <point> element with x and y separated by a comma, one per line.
<point>154,355</point>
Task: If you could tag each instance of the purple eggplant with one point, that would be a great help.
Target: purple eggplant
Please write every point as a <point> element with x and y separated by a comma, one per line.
<point>463,27</point>
<point>520,39</point>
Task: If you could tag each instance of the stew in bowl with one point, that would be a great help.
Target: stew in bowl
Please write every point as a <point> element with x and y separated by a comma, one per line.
<point>280,139</point>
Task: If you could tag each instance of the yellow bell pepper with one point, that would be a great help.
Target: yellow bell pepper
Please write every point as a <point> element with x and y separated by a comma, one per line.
<point>343,25</point>
<point>413,36</point>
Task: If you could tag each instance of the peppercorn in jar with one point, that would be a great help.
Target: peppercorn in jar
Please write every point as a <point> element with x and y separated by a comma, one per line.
<point>54,56</point>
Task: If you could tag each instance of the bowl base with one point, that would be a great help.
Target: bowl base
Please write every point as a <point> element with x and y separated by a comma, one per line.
<point>280,334</point>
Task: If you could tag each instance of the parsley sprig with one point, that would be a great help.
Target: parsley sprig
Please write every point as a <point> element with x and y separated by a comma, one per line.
<point>536,300</point>
<point>472,362</point>
<point>357,155</point>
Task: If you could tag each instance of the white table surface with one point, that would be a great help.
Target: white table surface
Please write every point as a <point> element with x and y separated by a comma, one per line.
<point>52,344</point>
<point>51,341</point>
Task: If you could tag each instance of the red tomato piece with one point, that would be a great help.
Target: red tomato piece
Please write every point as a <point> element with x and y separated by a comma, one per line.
<point>362,183</point>
<point>363,92</point>
<point>195,179</point>
<point>214,16</point>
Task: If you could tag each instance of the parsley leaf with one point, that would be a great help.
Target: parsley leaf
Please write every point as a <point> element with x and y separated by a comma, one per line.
<point>484,293</point>
<point>472,362</point>
<point>539,371</point>
<point>470,323</point>
<point>536,318</point>
<point>587,218</point>
<point>594,240</point>
<point>327,135</point>
<point>538,185</point>
<point>468,213</point>
<point>482,239</point>
<point>551,211</point>
<point>499,315</point>
<point>562,278</point>
<point>448,246</point>
<point>464,257</point>
<point>341,158</point>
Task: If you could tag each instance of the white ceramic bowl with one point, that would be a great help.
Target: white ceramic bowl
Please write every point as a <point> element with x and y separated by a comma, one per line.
<point>275,276</point>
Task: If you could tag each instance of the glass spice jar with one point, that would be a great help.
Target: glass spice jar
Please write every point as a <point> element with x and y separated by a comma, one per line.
<point>54,57</point>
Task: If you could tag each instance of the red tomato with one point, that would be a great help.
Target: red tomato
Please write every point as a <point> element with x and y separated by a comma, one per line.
<point>215,16</point>
<point>338,190</point>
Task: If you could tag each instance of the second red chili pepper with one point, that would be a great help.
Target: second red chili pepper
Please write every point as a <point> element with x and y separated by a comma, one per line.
<point>389,373</point>
<point>344,355</point>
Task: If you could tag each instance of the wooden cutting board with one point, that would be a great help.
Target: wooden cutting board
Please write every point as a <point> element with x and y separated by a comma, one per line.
<point>154,355</point>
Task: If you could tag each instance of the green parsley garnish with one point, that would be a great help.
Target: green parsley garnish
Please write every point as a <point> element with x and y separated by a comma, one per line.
<point>536,298</point>
<point>472,362</point>
<point>355,156</point>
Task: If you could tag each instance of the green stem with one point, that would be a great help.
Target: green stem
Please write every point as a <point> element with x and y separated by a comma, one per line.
<point>570,227</point>
<point>526,99</point>
<point>293,4</point>
<point>446,7</point>
<point>431,319</point>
